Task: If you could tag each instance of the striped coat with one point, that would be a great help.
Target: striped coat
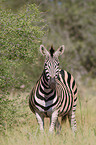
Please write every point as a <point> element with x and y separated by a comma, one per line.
<point>56,102</point>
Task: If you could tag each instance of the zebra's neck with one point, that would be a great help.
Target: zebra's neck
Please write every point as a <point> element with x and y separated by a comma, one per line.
<point>44,80</point>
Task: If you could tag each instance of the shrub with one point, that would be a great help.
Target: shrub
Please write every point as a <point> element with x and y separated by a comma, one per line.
<point>21,35</point>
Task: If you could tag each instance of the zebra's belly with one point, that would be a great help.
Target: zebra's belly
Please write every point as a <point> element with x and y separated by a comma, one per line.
<point>48,112</point>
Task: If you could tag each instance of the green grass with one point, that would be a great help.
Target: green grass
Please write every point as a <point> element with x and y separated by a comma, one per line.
<point>22,128</point>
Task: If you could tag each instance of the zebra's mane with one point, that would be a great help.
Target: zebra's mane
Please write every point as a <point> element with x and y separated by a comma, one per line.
<point>52,50</point>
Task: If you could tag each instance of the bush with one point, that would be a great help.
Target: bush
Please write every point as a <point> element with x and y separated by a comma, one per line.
<point>21,35</point>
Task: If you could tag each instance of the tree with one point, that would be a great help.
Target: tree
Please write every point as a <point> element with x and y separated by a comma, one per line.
<point>21,35</point>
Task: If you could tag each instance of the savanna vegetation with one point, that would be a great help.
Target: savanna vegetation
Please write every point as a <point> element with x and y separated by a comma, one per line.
<point>24,26</point>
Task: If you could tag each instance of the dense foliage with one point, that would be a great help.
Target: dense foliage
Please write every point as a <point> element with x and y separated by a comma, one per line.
<point>21,35</point>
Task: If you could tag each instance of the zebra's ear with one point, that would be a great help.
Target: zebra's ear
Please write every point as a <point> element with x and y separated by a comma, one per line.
<point>59,51</point>
<point>43,50</point>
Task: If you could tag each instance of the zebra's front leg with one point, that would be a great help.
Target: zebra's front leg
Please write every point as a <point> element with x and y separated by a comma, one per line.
<point>40,120</point>
<point>72,120</point>
<point>53,120</point>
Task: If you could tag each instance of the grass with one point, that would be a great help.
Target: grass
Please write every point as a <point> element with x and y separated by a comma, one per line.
<point>22,128</point>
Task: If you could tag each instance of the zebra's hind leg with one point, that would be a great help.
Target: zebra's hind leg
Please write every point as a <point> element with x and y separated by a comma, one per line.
<point>72,120</point>
<point>40,120</point>
<point>57,126</point>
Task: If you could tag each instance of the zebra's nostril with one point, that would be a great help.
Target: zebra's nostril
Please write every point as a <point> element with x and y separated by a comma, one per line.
<point>52,83</point>
<point>53,86</point>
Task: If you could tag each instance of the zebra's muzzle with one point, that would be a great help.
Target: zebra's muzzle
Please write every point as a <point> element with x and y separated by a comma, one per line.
<point>52,83</point>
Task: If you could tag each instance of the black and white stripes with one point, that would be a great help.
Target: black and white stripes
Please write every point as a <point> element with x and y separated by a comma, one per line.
<point>55,92</point>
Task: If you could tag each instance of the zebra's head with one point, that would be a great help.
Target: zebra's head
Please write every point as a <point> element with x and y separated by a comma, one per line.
<point>51,65</point>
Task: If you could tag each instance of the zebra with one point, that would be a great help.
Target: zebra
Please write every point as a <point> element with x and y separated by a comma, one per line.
<point>55,93</point>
